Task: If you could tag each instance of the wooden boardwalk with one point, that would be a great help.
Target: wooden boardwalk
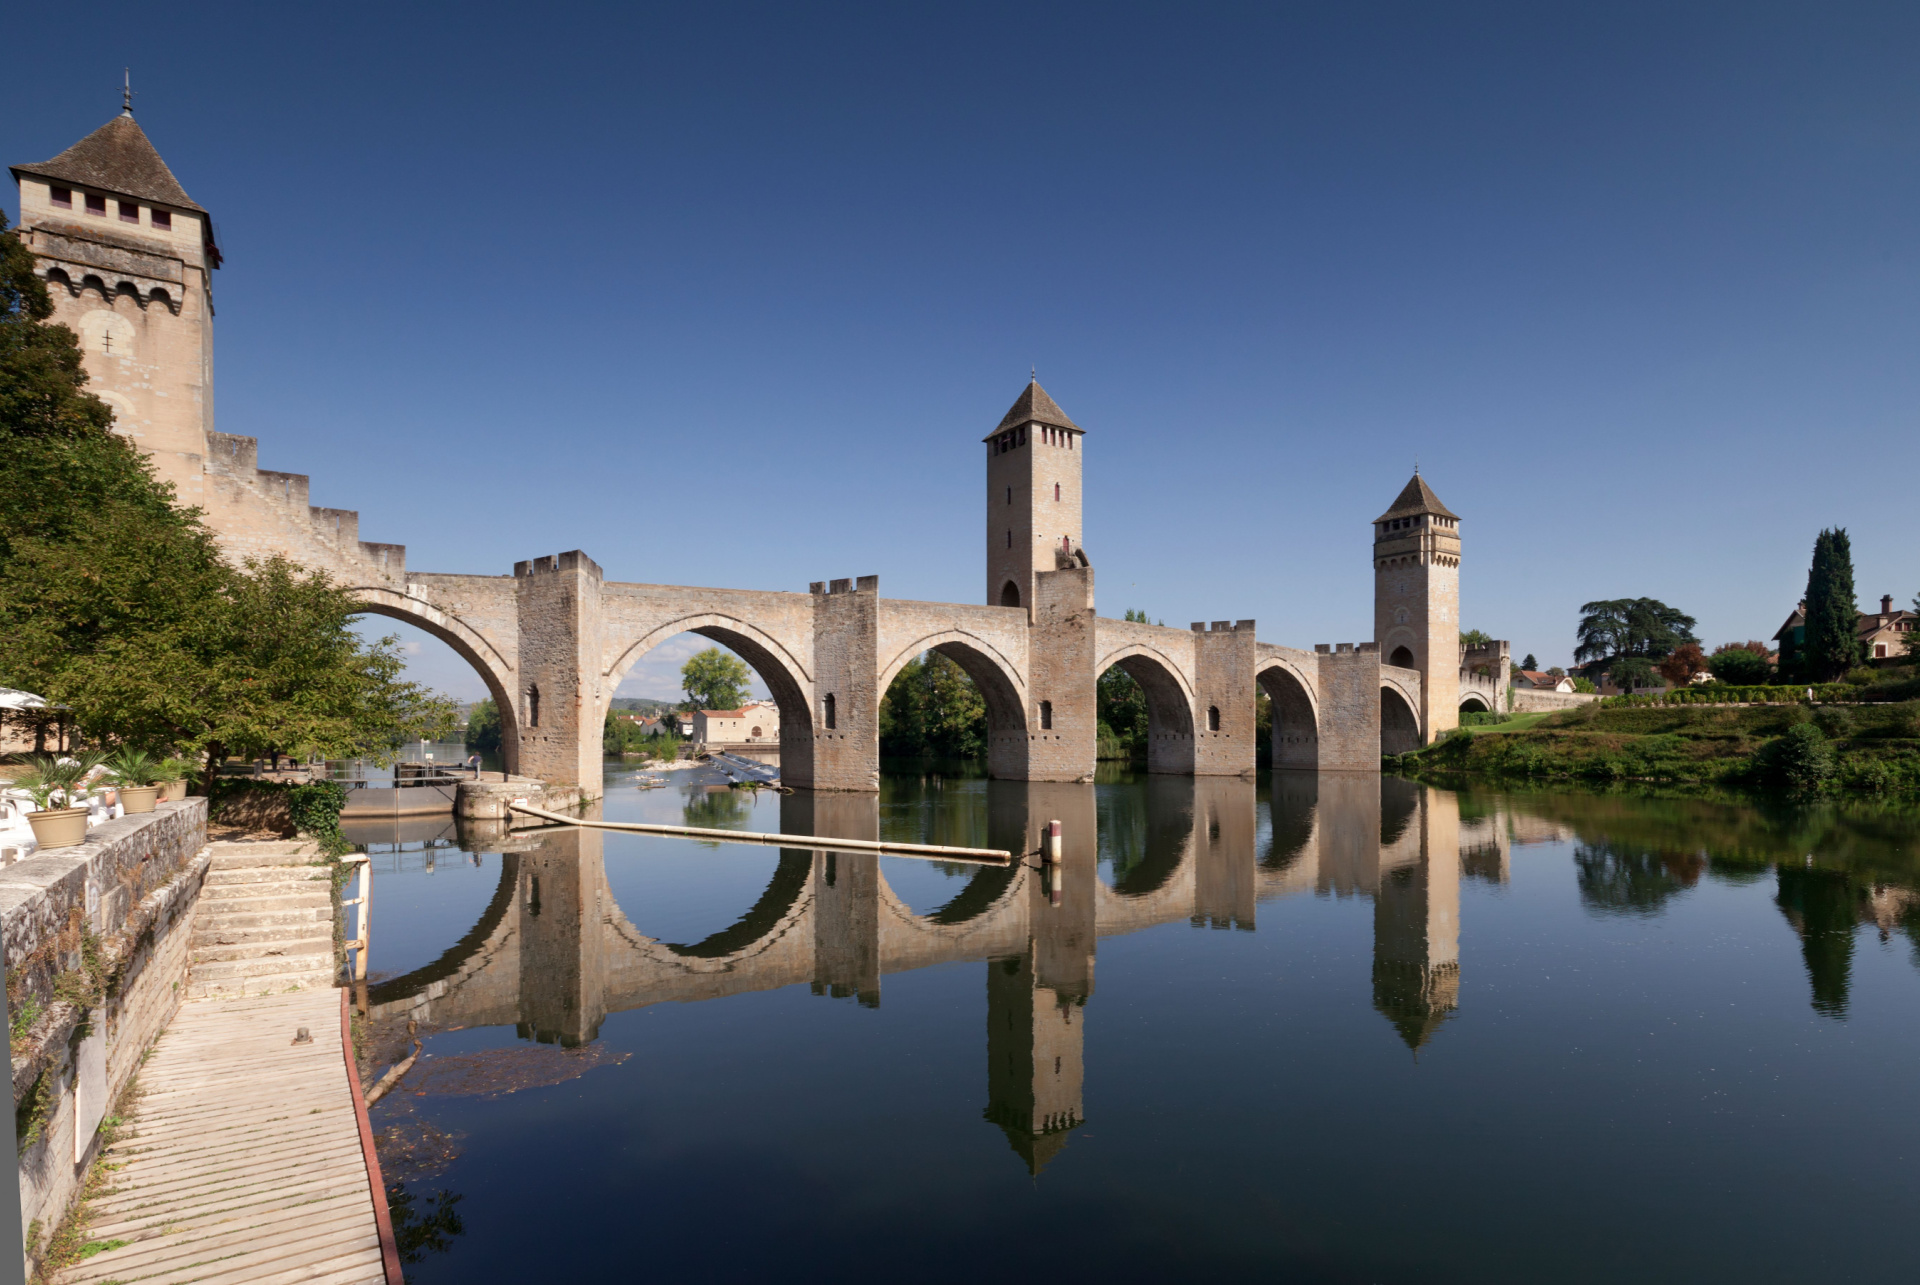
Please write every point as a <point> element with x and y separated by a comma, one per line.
<point>244,1157</point>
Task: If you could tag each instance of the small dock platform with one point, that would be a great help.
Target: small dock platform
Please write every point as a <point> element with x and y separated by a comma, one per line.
<point>245,1157</point>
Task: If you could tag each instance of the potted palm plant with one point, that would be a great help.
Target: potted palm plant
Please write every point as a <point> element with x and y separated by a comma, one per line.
<point>137,773</point>
<point>173,775</point>
<point>49,780</point>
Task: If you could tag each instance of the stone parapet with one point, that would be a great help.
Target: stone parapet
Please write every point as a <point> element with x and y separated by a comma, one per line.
<point>96,948</point>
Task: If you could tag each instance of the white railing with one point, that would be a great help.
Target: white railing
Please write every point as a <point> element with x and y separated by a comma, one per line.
<point>363,918</point>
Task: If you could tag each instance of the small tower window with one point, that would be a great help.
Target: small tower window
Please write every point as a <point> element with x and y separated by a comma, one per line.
<point>1213,718</point>
<point>828,714</point>
<point>61,196</point>
<point>129,212</point>
<point>1046,716</point>
<point>533,706</point>
<point>1056,492</point>
<point>97,205</point>
<point>1009,495</point>
<point>1009,539</point>
<point>163,219</point>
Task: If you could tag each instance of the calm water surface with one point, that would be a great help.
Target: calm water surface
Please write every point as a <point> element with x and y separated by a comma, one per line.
<point>1304,1029</point>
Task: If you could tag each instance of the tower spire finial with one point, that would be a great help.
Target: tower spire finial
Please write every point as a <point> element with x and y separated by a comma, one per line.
<point>126,92</point>
<point>1033,374</point>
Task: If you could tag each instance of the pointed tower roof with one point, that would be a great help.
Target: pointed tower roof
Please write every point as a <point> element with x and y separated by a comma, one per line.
<point>1417,498</point>
<point>119,158</point>
<point>1033,406</point>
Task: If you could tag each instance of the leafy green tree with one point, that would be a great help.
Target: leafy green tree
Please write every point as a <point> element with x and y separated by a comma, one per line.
<point>1474,638</point>
<point>1833,637</point>
<point>1530,663</point>
<point>715,679</point>
<point>483,727</point>
<point>1616,629</point>
<point>1120,705</point>
<point>1741,664</point>
<point>933,710</point>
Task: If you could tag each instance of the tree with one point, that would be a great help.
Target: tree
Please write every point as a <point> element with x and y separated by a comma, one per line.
<point>1474,638</point>
<point>483,727</point>
<point>1833,635</point>
<point>1680,665</point>
<point>933,710</point>
<point>1556,672</point>
<point>1120,707</point>
<point>1618,629</point>
<point>1530,663</point>
<point>1746,664</point>
<point>715,679</point>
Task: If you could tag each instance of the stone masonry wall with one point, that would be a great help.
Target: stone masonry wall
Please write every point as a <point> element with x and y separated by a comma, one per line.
<point>1349,707</point>
<point>1060,674</point>
<point>132,888</point>
<point>1224,664</point>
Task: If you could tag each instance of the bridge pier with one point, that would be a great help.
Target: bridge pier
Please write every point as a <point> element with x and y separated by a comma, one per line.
<point>1349,707</point>
<point>846,723</point>
<point>1062,733</point>
<point>559,704</point>
<point>563,971</point>
<point>1226,739</point>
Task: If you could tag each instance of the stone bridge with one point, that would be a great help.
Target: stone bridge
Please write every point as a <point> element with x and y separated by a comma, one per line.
<point>553,640</point>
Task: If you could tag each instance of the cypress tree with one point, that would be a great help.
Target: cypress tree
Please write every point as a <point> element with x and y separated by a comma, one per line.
<point>1833,640</point>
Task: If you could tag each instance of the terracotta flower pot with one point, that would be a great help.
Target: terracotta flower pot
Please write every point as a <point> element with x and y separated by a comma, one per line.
<point>139,798</point>
<point>59,827</point>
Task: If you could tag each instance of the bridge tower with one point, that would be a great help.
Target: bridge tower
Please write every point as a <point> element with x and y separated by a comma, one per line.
<point>128,258</point>
<point>1033,496</point>
<point>1416,599</point>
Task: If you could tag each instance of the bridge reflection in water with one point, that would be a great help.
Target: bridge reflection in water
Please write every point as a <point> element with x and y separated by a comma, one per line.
<point>553,953</point>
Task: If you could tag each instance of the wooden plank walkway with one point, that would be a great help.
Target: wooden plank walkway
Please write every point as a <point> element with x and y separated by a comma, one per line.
<point>245,1157</point>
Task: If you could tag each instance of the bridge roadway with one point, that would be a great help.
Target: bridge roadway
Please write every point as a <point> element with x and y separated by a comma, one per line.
<point>554,952</point>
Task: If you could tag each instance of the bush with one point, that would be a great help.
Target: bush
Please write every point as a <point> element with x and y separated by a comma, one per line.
<point>1800,762</point>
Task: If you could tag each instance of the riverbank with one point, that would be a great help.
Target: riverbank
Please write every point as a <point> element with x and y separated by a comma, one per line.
<point>1807,749</point>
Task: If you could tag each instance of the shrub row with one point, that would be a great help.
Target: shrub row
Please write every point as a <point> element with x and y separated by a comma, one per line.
<point>1723,694</point>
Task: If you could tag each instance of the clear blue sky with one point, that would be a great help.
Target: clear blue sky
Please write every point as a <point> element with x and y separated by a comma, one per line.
<point>1638,285</point>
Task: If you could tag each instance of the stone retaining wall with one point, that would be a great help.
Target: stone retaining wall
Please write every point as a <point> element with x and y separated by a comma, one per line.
<point>126,899</point>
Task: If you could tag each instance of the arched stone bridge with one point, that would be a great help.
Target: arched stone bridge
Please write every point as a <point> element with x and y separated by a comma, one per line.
<point>554,641</point>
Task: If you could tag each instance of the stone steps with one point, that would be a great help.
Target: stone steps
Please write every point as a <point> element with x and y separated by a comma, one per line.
<point>264,923</point>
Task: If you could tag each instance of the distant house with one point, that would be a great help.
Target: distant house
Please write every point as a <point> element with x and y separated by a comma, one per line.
<point>1885,632</point>
<point>1543,682</point>
<point>683,723</point>
<point>737,726</point>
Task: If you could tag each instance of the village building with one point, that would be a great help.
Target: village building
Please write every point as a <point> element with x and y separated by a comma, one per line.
<point>1884,632</point>
<point>1533,678</point>
<point>737,726</point>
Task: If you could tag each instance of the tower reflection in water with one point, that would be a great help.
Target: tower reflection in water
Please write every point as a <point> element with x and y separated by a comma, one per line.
<point>554,953</point>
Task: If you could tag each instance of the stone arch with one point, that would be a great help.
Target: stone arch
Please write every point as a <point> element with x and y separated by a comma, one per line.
<point>785,676</point>
<point>1010,594</point>
<point>1170,704</point>
<point>998,680</point>
<point>1296,716</point>
<point>987,890</point>
<point>1399,725</point>
<point>467,642</point>
<point>1401,657</point>
<point>1474,703</point>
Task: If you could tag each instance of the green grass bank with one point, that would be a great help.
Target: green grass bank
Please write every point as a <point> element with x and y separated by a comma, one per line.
<point>1801,749</point>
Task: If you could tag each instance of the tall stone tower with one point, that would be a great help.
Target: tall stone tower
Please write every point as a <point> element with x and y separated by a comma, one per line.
<point>128,257</point>
<point>1416,600</point>
<point>1033,496</point>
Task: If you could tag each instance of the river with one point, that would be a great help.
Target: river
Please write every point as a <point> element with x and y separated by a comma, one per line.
<point>1334,1028</point>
